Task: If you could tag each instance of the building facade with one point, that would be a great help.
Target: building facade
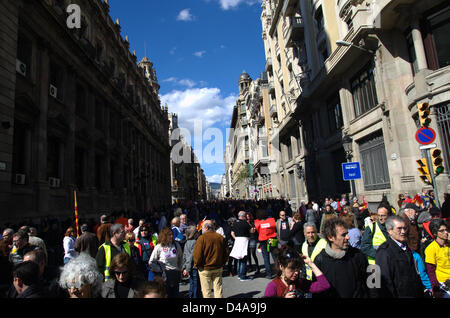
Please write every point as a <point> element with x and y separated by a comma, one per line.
<point>79,114</point>
<point>362,67</point>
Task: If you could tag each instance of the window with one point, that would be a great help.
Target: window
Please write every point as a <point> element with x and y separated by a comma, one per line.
<point>57,79</point>
<point>319,18</point>
<point>443,121</point>
<point>373,163</point>
<point>54,149</point>
<point>24,49</point>
<point>80,107</point>
<point>299,142</point>
<point>21,148</point>
<point>363,91</point>
<point>80,168</point>
<point>99,51</point>
<point>436,40</point>
<point>99,114</point>
<point>99,171</point>
<point>288,145</point>
<point>264,148</point>
<point>292,181</point>
<point>334,110</point>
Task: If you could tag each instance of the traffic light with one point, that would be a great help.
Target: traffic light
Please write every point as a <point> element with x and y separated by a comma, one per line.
<point>423,169</point>
<point>424,114</point>
<point>437,161</point>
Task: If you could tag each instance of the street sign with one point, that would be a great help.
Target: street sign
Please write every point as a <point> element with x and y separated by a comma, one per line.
<point>425,135</point>
<point>427,147</point>
<point>351,171</point>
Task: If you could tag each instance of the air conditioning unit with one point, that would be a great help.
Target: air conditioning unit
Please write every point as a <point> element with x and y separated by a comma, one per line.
<point>20,178</point>
<point>54,182</point>
<point>21,68</point>
<point>53,91</point>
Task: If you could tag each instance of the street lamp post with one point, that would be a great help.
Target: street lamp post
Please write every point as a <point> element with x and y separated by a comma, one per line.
<point>347,144</point>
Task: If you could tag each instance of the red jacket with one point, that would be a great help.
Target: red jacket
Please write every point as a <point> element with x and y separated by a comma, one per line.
<point>266,228</point>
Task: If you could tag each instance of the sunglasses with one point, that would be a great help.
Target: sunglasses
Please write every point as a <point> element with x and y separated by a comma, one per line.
<point>121,273</point>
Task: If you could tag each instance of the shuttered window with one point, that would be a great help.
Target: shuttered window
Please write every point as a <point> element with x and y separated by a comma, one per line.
<point>374,163</point>
<point>363,91</point>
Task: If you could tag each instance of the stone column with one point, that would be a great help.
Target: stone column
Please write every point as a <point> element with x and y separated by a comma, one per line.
<point>418,45</point>
<point>90,155</point>
<point>41,183</point>
<point>9,16</point>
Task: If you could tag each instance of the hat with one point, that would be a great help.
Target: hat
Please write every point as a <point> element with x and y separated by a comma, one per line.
<point>412,206</point>
<point>435,212</point>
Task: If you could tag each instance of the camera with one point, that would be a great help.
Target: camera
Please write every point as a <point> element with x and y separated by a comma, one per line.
<point>297,293</point>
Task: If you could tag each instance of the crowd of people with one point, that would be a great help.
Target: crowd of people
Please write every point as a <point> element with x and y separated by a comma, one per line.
<point>332,248</point>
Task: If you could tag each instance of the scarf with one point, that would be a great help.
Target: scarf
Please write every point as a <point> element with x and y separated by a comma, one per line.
<point>334,254</point>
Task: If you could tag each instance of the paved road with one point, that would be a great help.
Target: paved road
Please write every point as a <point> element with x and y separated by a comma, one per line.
<point>234,288</point>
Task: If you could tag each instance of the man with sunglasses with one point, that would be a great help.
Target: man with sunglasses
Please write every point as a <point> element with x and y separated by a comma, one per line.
<point>399,275</point>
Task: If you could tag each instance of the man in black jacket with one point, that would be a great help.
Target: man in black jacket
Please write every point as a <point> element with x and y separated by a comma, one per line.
<point>343,266</point>
<point>26,280</point>
<point>399,275</point>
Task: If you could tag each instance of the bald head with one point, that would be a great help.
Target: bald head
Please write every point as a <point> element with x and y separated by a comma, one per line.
<point>207,226</point>
<point>242,215</point>
<point>176,221</point>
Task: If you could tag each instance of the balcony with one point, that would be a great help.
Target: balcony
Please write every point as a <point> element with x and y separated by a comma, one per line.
<point>295,32</point>
<point>280,75</point>
<point>269,64</point>
<point>273,111</point>
<point>271,87</point>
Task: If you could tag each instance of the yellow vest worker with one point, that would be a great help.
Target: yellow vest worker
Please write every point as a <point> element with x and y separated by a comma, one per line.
<point>378,238</point>
<point>107,249</point>
<point>316,251</point>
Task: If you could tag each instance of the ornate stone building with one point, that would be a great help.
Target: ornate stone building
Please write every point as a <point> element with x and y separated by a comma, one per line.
<point>78,113</point>
<point>362,68</point>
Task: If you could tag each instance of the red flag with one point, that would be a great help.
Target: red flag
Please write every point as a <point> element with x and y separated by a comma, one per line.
<point>417,199</point>
<point>200,224</point>
<point>76,211</point>
<point>364,205</point>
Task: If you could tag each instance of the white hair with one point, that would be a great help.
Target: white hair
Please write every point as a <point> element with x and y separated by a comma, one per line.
<point>81,270</point>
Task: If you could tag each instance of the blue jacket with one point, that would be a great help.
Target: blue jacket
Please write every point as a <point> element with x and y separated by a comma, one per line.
<point>422,270</point>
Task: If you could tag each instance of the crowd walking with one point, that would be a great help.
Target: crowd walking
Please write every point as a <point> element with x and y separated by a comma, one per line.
<point>331,248</point>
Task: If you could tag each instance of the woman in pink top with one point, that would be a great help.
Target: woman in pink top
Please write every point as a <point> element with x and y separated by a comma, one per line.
<point>288,283</point>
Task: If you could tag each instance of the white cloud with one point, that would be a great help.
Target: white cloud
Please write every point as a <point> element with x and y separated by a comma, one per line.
<point>230,4</point>
<point>200,104</point>
<point>199,53</point>
<point>182,82</point>
<point>214,179</point>
<point>185,15</point>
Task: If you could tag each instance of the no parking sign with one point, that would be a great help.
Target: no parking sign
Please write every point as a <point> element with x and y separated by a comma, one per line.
<point>425,135</point>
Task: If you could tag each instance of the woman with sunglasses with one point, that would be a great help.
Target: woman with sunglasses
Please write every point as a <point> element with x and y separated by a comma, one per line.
<point>123,282</point>
<point>145,245</point>
<point>289,281</point>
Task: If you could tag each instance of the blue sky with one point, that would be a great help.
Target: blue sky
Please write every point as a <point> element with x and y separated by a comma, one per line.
<point>199,48</point>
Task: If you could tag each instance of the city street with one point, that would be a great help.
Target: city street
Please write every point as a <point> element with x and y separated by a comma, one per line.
<point>234,288</point>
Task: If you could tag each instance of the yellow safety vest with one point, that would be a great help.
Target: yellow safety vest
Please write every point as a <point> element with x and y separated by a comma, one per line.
<point>317,249</point>
<point>107,248</point>
<point>378,238</point>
